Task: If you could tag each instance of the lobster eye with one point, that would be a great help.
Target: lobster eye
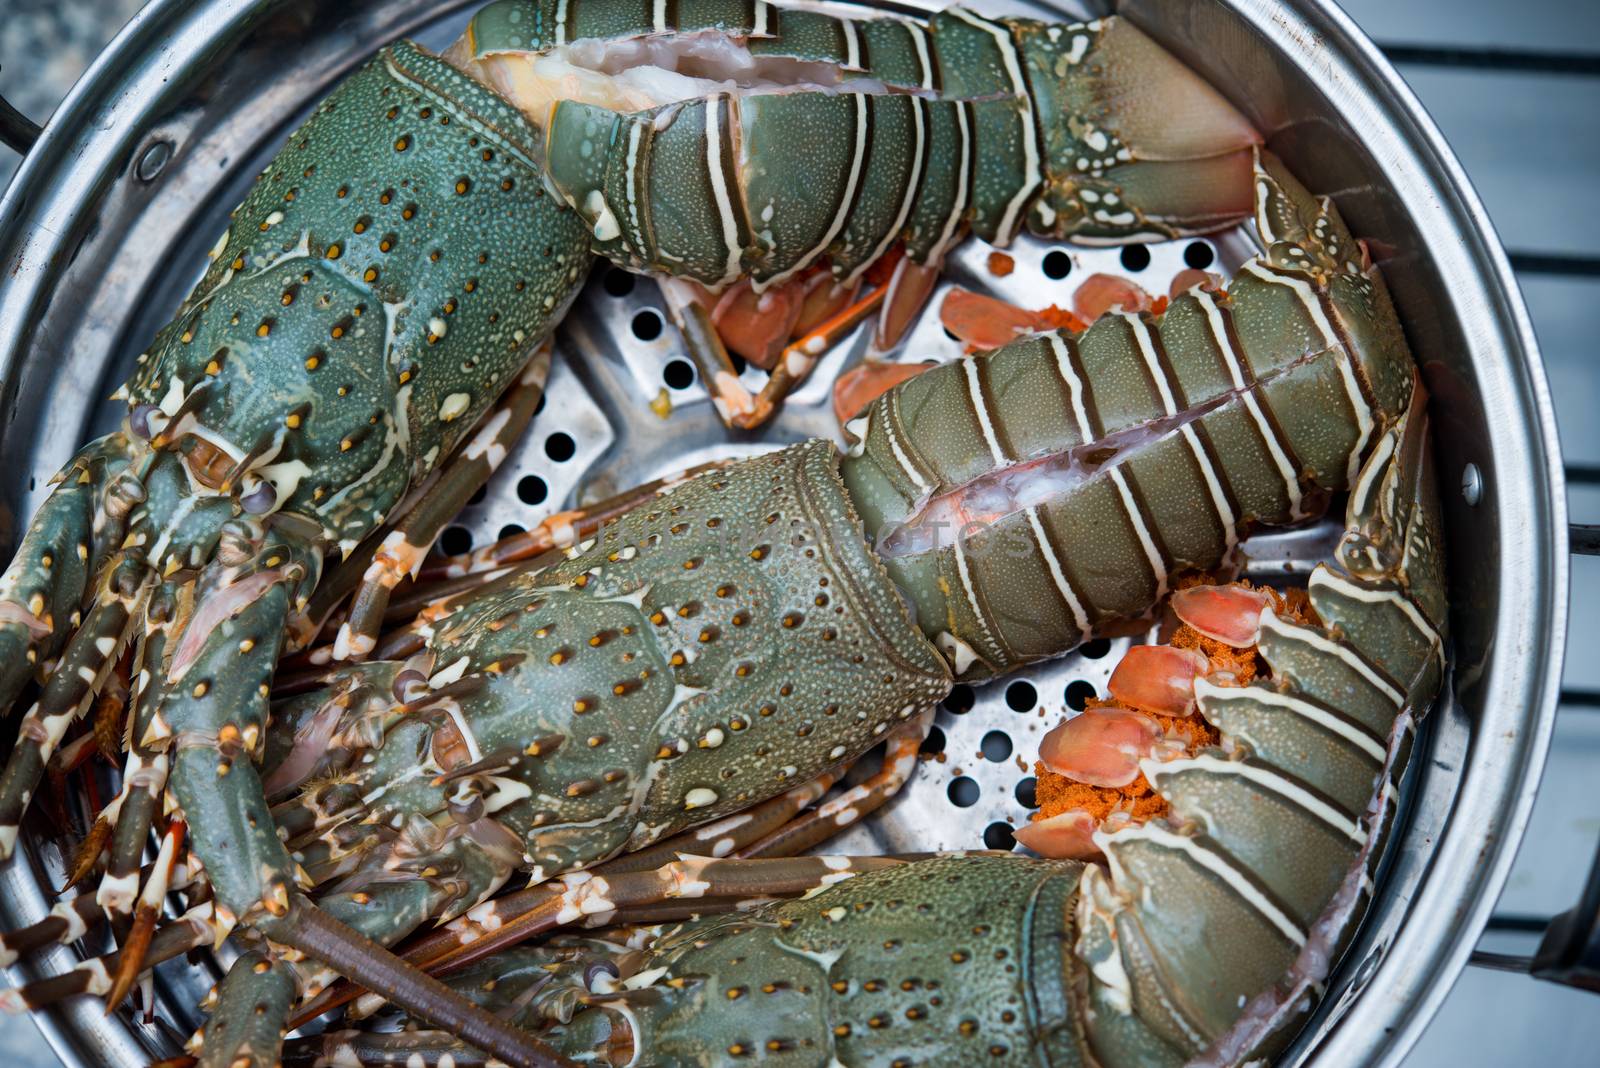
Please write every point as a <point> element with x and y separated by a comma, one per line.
<point>146,421</point>
<point>260,499</point>
<point>596,970</point>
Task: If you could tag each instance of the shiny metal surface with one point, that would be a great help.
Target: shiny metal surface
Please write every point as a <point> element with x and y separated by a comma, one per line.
<point>106,225</point>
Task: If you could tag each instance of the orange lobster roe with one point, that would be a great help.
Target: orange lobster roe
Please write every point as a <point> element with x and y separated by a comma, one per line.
<point>1000,264</point>
<point>1056,794</point>
<point>1058,318</point>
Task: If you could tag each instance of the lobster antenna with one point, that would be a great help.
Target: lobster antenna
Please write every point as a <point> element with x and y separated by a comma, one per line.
<point>312,931</point>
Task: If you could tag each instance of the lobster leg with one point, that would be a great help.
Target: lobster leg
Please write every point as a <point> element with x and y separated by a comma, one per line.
<point>596,900</point>
<point>246,1027</point>
<point>794,364</point>
<point>905,295</point>
<point>70,920</point>
<point>413,1049</point>
<point>66,923</point>
<point>729,835</point>
<point>86,857</point>
<point>731,400</point>
<point>130,961</point>
<point>144,775</point>
<point>74,533</point>
<point>787,368</point>
<point>560,531</point>
<point>213,713</point>
<point>716,839</point>
<point>402,551</point>
<point>192,930</point>
<point>91,653</point>
<point>836,814</point>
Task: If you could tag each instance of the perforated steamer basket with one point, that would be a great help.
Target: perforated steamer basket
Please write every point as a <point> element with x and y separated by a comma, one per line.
<point>106,225</point>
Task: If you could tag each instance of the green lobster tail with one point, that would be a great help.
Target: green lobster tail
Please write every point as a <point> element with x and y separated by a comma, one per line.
<point>1276,837</point>
<point>980,62</point>
<point>540,25</point>
<point>656,187</point>
<point>1086,130</point>
<point>763,184</point>
<point>1030,497</point>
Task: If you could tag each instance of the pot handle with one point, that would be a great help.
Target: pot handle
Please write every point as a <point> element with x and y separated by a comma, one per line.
<point>17,131</point>
<point>1585,539</point>
<point>1569,950</point>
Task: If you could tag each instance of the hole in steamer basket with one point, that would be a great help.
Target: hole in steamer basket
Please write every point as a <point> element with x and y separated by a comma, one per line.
<point>1021,696</point>
<point>679,374</point>
<point>999,836</point>
<point>996,746</point>
<point>963,792</point>
<point>531,489</point>
<point>647,325</point>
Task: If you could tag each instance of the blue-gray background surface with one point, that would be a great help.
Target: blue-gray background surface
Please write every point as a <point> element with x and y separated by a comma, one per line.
<point>1531,144</point>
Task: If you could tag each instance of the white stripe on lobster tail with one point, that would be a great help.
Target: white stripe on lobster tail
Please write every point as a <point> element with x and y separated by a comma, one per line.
<point>1206,691</point>
<point>721,189</point>
<point>1224,868</point>
<point>1265,778</point>
<point>1032,176</point>
<point>1330,338</point>
<point>964,161</point>
<point>847,201</point>
<point>1269,437</point>
<point>919,160</point>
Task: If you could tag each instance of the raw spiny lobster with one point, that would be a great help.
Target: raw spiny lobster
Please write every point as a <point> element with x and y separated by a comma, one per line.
<point>632,628</point>
<point>382,286</point>
<point>1216,915</point>
<point>768,179</point>
<point>1219,910</point>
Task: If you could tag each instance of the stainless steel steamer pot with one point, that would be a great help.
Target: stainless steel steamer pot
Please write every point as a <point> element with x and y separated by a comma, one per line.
<point>105,226</point>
